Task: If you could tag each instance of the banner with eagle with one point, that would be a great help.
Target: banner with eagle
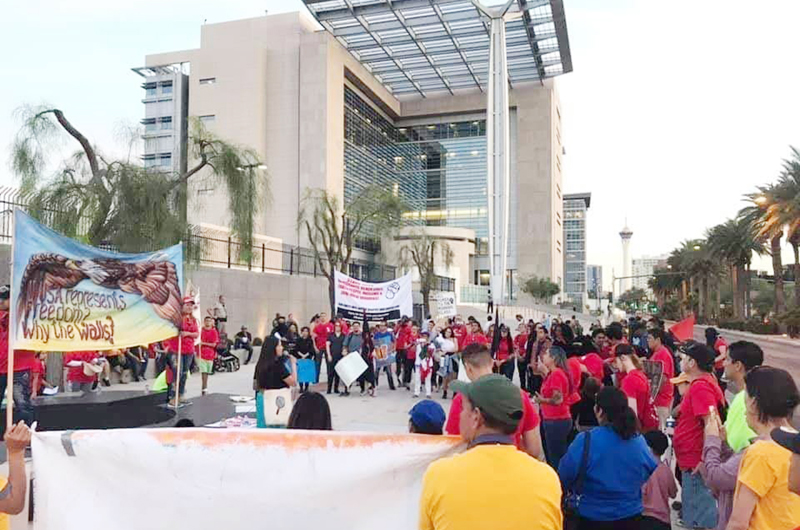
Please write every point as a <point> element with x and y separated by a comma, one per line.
<point>67,296</point>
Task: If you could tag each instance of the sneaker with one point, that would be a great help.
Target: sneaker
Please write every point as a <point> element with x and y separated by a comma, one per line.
<point>416,396</point>
<point>427,396</point>
<point>444,395</point>
<point>106,382</point>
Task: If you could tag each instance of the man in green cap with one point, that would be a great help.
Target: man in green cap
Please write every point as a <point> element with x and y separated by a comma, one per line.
<point>462,492</point>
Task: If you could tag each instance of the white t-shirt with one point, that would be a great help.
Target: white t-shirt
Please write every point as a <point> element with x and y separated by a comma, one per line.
<point>220,311</point>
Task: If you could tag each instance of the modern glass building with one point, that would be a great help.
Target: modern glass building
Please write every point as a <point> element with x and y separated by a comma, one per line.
<point>349,94</point>
<point>575,208</point>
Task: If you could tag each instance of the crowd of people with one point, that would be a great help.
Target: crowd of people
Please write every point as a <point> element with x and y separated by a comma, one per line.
<point>610,422</point>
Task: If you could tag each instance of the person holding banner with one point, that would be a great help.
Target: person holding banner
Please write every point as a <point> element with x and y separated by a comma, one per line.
<point>271,374</point>
<point>319,332</point>
<point>183,345</point>
<point>384,342</point>
<point>23,364</point>
<point>334,348</point>
<point>14,489</point>
<point>304,353</point>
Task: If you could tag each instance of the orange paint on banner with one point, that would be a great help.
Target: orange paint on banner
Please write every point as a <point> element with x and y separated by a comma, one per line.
<point>287,439</point>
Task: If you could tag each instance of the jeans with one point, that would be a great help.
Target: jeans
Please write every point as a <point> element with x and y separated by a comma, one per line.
<point>630,523</point>
<point>75,386</point>
<point>408,369</point>
<point>400,359</point>
<point>699,508</point>
<point>172,362</point>
<point>330,368</point>
<point>389,376</point>
<point>23,408</point>
<point>317,365</point>
<point>522,368</point>
<point>556,433</point>
<point>507,369</point>
<point>245,346</point>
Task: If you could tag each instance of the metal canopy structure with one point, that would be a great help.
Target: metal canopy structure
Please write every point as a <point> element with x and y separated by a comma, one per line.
<point>420,47</point>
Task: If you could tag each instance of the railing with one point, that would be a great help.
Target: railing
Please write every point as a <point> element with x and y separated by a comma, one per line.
<point>267,256</point>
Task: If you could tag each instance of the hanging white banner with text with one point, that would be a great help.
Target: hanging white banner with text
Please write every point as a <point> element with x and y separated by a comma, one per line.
<point>388,300</point>
<point>208,479</point>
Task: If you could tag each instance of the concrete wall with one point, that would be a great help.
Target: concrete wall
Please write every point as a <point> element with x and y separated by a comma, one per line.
<point>253,299</point>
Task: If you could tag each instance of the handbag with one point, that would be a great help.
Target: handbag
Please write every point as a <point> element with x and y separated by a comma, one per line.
<point>572,498</point>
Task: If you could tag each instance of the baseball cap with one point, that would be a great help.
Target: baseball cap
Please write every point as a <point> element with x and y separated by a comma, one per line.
<point>699,352</point>
<point>427,415</point>
<point>5,292</point>
<point>188,300</point>
<point>788,438</point>
<point>495,395</point>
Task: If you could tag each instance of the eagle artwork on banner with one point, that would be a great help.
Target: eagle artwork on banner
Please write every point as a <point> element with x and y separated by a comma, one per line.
<point>156,280</point>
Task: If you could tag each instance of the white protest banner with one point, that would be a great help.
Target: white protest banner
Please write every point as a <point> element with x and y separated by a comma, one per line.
<point>350,368</point>
<point>388,300</point>
<point>80,474</point>
<point>445,303</point>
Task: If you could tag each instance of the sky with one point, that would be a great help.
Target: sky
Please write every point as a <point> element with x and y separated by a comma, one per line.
<point>673,110</point>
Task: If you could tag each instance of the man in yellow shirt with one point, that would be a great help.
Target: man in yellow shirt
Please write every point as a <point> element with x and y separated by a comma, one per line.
<point>492,485</point>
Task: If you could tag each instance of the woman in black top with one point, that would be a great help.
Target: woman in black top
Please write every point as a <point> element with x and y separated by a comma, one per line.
<point>304,349</point>
<point>270,374</point>
<point>335,349</point>
<point>290,340</point>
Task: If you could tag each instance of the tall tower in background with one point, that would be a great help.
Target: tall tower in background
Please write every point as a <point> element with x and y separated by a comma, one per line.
<point>626,234</point>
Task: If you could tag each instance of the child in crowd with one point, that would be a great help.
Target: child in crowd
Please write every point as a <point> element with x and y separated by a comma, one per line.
<point>586,418</point>
<point>659,488</point>
<point>423,365</point>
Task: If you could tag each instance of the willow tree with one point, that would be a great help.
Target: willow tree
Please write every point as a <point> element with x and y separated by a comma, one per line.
<point>420,250</point>
<point>332,228</point>
<point>120,203</point>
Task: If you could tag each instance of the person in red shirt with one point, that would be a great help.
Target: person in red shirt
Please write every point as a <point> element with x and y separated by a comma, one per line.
<point>402,335</point>
<point>475,335</point>
<point>78,379</point>
<point>592,364</point>
<point>320,332</point>
<point>521,354</point>
<point>636,386</point>
<point>556,417</point>
<point>187,336</point>
<point>23,363</point>
<point>574,365</point>
<point>715,341</point>
<point>411,355</point>
<point>663,401</point>
<point>477,361</point>
<point>504,357</point>
<point>209,338</point>
<point>459,332</point>
<point>601,343</point>
<point>697,363</point>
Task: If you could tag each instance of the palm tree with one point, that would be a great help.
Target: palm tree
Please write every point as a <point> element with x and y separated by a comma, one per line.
<point>700,269</point>
<point>733,243</point>
<point>788,195</point>
<point>766,219</point>
<point>664,283</point>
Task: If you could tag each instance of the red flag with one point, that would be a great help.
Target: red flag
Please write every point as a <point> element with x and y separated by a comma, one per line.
<point>684,330</point>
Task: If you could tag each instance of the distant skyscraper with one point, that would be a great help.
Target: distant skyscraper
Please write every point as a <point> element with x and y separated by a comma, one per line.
<point>644,267</point>
<point>626,234</point>
<point>594,280</point>
<point>166,111</point>
<point>575,208</point>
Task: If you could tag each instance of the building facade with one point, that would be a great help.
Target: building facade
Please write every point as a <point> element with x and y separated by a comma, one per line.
<point>166,110</point>
<point>594,281</point>
<point>576,206</point>
<point>321,117</point>
<point>643,269</point>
